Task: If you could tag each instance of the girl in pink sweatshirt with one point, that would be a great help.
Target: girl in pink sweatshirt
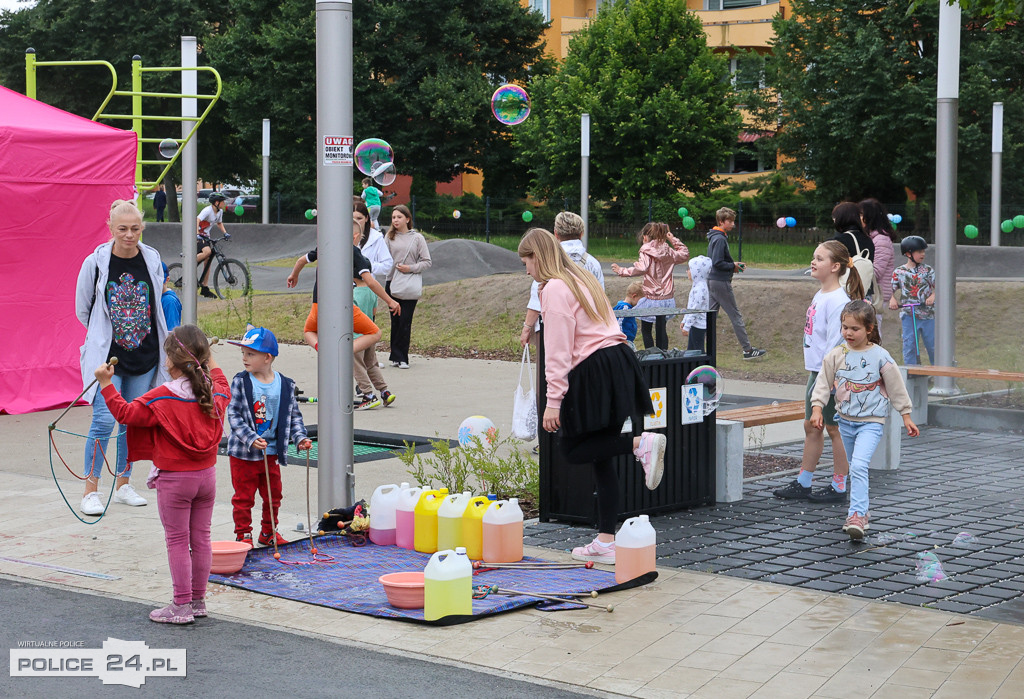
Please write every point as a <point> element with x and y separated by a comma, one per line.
<point>660,252</point>
<point>594,382</point>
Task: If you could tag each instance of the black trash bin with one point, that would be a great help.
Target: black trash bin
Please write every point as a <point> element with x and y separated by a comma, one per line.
<point>567,491</point>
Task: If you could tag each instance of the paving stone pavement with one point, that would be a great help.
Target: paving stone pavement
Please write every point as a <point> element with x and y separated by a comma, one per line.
<point>949,481</point>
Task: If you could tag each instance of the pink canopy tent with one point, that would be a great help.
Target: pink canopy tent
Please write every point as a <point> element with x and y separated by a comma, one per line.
<point>58,175</point>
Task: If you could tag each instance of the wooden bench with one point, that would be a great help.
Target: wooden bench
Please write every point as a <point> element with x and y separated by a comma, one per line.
<point>765,414</point>
<point>729,442</point>
<point>916,378</point>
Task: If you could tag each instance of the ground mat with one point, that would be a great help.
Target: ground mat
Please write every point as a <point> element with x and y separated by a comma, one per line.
<point>350,582</point>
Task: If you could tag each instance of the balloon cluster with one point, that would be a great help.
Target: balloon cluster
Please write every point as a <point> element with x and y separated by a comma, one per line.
<point>310,214</point>
<point>785,222</point>
<point>1008,225</point>
<point>688,221</point>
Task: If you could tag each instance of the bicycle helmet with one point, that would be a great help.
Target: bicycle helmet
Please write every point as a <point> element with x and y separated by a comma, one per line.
<point>912,243</point>
<point>215,197</point>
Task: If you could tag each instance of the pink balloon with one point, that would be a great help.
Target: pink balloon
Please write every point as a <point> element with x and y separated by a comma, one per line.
<point>781,222</point>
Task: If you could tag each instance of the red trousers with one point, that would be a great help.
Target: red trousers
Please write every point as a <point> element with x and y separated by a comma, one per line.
<point>248,477</point>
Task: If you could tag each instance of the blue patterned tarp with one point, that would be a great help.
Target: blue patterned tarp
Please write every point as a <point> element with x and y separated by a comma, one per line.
<point>351,582</point>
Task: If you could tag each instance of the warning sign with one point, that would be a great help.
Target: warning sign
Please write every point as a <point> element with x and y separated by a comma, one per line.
<point>338,151</point>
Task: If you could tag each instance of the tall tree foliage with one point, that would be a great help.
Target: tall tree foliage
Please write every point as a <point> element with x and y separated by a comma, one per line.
<point>660,103</point>
<point>852,84</point>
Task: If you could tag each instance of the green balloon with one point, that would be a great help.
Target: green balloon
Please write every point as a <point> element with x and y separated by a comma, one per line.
<point>309,214</point>
<point>683,213</point>
<point>527,216</point>
<point>971,231</point>
<point>239,210</point>
<point>1018,221</point>
<point>688,222</point>
<point>1006,226</point>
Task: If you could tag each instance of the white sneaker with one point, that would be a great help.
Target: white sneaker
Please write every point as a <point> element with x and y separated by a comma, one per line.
<point>651,455</point>
<point>91,504</point>
<point>403,365</point>
<point>126,495</point>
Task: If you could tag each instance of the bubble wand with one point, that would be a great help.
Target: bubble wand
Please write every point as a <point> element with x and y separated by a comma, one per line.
<point>112,362</point>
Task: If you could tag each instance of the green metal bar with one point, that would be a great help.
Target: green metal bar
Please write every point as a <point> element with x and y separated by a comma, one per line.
<point>30,76</point>
<point>137,111</point>
<point>173,95</point>
<point>30,73</point>
<point>160,140</point>
<point>145,117</point>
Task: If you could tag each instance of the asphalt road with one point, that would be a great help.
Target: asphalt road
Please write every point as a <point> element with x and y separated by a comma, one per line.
<point>225,659</point>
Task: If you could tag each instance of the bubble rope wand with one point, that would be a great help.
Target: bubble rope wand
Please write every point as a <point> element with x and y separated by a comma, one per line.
<point>270,504</point>
<point>112,362</point>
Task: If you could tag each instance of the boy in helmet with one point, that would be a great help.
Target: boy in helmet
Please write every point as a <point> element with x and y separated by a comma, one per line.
<point>212,215</point>
<point>913,292</point>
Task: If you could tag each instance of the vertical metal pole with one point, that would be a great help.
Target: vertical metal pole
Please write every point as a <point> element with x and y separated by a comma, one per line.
<point>30,73</point>
<point>487,218</point>
<point>412,206</point>
<point>585,175</point>
<point>265,192</point>
<point>997,171</point>
<point>137,112</point>
<point>335,477</point>
<point>189,175</point>
<point>739,231</point>
<point>948,95</point>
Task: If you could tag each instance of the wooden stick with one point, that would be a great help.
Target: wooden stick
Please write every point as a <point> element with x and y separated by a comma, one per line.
<point>505,591</point>
<point>112,362</point>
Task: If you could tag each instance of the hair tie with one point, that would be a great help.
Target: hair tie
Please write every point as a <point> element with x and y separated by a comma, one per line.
<point>849,263</point>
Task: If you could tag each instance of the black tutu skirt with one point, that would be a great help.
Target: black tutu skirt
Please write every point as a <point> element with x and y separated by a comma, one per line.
<point>604,389</point>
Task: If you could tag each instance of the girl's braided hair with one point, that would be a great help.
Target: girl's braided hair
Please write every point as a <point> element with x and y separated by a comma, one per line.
<point>189,352</point>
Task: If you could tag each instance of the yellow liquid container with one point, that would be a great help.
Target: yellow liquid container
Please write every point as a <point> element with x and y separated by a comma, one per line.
<point>425,518</point>
<point>473,526</point>
<point>448,585</point>
<point>449,521</point>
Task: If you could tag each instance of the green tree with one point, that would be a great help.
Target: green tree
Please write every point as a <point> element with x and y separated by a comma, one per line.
<point>659,100</point>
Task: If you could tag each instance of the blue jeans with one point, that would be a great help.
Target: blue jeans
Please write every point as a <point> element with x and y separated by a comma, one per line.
<point>130,387</point>
<point>860,440</point>
<point>926,327</point>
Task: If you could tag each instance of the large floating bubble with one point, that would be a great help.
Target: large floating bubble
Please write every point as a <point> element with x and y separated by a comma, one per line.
<point>168,148</point>
<point>370,151</point>
<point>714,386</point>
<point>383,173</point>
<point>510,104</point>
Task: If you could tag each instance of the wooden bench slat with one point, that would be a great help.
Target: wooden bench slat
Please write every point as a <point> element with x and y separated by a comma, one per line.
<point>961,373</point>
<point>765,414</point>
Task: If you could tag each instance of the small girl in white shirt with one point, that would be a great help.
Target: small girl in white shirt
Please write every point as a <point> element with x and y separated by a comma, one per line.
<point>695,325</point>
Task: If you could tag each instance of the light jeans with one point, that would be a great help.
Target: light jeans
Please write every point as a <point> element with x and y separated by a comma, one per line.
<point>860,440</point>
<point>130,388</point>
<point>925,326</point>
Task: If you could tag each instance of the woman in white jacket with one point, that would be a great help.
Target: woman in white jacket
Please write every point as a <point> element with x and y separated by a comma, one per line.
<point>117,299</point>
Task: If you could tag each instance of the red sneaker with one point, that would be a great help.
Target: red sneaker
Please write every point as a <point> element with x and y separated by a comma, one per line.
<point>268,539</point>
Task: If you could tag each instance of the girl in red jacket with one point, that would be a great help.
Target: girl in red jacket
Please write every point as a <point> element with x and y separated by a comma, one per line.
<point>178,427</point>
<point>594,382</point>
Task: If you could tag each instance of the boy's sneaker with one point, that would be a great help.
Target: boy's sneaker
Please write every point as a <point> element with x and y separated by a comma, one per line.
<point>173,614</point>
<point>206,293</point>
<point>856,525</point>
<point>387,397</point>
<point>198,608</point>
<point>369,403</point>
<point>794,491</point>
<point>403,365</point>
<point>247,538</point>
<point>651,454</point>
<point>267,539</point>
<point>126,495</point>
<point>828,494</point>
<point>595,551</point>
<point>754,353</point>
<point>91,504</point>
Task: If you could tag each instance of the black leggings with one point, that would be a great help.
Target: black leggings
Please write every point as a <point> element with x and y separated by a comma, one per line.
<point>601,448</point>
<point>401,329</point>
<point>659,324</point>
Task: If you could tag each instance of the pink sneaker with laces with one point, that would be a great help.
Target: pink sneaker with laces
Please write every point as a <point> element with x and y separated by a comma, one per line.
<point>651,454</point>
<point>198,608</point>
<point>173,614</point>
<point>595,551</point>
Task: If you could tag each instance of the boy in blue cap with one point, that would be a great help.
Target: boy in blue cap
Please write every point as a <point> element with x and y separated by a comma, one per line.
<point>263,416</point>
<point>170,302</point>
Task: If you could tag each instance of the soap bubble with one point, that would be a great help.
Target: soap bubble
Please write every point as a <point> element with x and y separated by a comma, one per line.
<point>456,214</point>
<point>971,231</point>
<point>510,105</point>
<point>929,568</point>
<point>168,148</point>
<point>527,216</point>
<point>383,173</point>
<point>370,151</point>
<point>477,426</point>
<point>780,222</point>
<point>708,377</point>
<point>688,222</point>
<point>964,539</point>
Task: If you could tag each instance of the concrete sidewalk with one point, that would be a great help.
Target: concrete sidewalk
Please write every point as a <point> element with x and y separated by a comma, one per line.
<point>691,633</point>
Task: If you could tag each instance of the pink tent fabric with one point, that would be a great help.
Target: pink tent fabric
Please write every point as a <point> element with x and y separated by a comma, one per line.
<point>58,175</point>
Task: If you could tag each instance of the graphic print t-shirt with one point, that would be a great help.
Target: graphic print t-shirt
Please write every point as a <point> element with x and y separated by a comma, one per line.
<point>132,304</point>
<point>823,326</point>
<point>266,400</point>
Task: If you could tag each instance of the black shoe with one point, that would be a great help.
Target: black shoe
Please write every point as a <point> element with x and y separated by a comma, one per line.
<point>827,493</point>
<point>754,353</point>
<point>206,293</point>
<point>793,491</point>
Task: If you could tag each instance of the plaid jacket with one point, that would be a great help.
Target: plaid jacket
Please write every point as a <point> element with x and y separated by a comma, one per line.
<point>242,422</point>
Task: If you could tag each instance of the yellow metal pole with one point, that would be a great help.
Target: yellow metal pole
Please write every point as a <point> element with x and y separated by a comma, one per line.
<point>137,112</point>
<point>30,73</point>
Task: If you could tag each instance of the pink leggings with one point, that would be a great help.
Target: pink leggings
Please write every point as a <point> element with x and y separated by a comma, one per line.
<point>185,501</point>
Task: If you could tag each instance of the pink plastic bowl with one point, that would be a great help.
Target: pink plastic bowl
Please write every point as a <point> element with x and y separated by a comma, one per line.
<point>404,590</point>
<point>228,556</point>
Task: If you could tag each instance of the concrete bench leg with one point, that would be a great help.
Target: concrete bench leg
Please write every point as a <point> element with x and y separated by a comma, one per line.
<point>917,387</point>
<point>887,455</point>
<point>728,461</point>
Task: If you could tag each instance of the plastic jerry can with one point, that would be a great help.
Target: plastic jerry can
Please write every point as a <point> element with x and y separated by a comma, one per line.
<point>425,536</point>
<point>634,548</point>
<point>448,585</point>
<point>405,517</point>
<point>473,526</point>
<point>449,520</point>
<point>503,532</point>
<point>383,510</point>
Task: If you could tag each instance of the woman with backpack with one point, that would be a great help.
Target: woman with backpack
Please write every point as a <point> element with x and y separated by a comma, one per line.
<point>848,222</point>
<point>875,221</point>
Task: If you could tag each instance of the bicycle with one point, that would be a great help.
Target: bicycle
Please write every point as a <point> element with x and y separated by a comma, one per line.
<point>230,276</point>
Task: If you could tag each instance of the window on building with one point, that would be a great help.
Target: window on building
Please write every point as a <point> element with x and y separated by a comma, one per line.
<point>747,71</point>
<point>543,7</point>
<point>748,157</point>
<point>732,4</point>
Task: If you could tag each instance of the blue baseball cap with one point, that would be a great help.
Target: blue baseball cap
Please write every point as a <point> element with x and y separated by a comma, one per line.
<point>258,340</point>
<point>165,269</point>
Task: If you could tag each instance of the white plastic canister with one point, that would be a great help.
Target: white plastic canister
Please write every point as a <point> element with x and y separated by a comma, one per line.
<point>383,508</point>
<point>448,585</point>
<point>634,549</point>
<point>503,532</point>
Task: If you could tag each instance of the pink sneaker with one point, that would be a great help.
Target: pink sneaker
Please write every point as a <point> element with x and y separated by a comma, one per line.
<point>651,454</point>
<point>595,551</point>
<point>856,525</point>
<point>198,608</point>
<point>173,614</point>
